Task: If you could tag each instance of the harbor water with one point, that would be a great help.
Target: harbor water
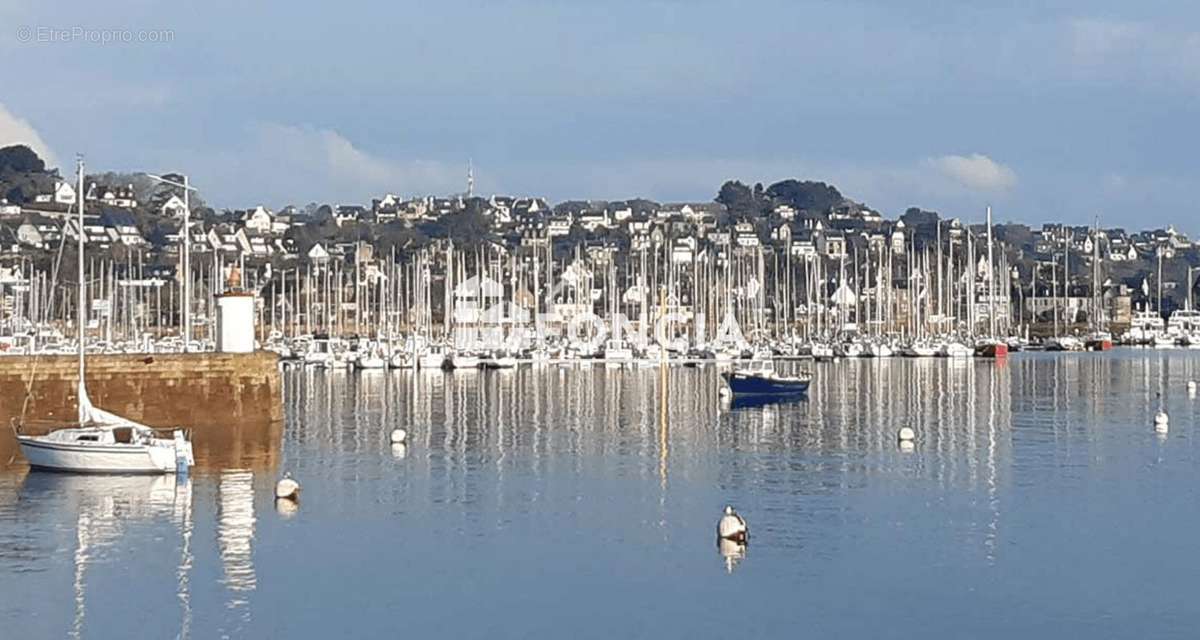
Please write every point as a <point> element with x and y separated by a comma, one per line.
<point>1036,501</point>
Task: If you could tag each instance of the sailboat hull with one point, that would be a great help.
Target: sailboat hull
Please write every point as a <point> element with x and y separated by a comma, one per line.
<point>1098,344</point>
<point>747,384</point>
<point>992,350</point>
<point>94,458</point>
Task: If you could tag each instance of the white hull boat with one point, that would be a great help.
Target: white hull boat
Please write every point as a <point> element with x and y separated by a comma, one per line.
<point>879,350</point>
<point>955,350</point>
<point>849,350</point>
<point>98,450</point>
<point>820,351</point>
<point>464,361</point>
<point>432,360</point>
<point>1064,343</point>
<point>919,350</point>
<point>1164,340</point>
<point>500,362</point>
<point>617,354</point>
<point>318,359</point>
<point>99,441</point>
<point>371,362</point>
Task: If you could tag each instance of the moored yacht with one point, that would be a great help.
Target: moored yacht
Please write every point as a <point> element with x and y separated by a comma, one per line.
<point>617,353</point>
<point>991,348</point>
<point>919,349</point>
<point>99,441</point>
<point>820,351</point>
<point>879,349</point>
<point>499,360</point>
<point>955,349</point>
<point>1098,341</point>
<point>433,358</point>
<point>1063,343</point>
<point>849,349</point>
<point>759,378</point>
<point>463,360</point>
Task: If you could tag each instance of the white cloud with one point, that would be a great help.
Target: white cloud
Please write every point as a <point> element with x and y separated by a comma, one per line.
<point>281,164</point>
<point>14,130</point>
<point>976,171</point>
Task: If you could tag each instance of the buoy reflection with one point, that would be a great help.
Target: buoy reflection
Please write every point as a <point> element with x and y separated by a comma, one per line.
<point>732,552</point>
<point>286,507</point>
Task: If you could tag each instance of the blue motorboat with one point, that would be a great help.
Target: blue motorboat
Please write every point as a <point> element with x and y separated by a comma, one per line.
<point>761,379</point>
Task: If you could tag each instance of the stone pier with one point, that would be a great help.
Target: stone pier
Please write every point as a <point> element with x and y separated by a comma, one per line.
<point>231,402</point>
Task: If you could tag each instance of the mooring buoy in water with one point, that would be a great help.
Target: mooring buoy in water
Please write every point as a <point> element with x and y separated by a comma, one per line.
<point>1191,387</point>
<point>1161,422</point>
<point>287,489</point>
<point>906,434</point>
<point>399,436</point>
<point>732,526</point>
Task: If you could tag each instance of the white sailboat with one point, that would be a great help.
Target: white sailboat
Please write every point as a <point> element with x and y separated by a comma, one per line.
<point>102,442</point>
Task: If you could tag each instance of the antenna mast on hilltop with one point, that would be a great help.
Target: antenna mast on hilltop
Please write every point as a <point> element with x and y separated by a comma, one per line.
<point>470,180</point>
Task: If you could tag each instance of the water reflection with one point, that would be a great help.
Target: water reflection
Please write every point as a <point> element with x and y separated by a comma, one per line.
<point>104,507</point>
<point>732,552</point>
<point>235,538</point>
<point>616,475</point>
<point>286,507</point>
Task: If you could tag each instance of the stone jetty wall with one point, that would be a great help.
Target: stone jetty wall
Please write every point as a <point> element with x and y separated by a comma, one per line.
<point>228,400</point>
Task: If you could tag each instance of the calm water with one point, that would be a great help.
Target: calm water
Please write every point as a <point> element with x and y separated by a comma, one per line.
<point>558,502</point>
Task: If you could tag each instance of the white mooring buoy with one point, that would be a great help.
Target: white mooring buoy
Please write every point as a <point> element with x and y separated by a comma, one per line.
<point>399,436</point>
<point>731,526</point>
<point>1161,422</point>
<point>906,434</point>
<point>1191,387</point>
<point>287,488</point>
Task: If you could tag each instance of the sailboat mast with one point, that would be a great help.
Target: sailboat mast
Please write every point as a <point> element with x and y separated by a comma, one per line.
<point>1097,298</point>
<point>991,279</point>
<point>79,308</point>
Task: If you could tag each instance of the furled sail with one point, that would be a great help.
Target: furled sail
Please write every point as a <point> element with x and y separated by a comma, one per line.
<point>93,416</point>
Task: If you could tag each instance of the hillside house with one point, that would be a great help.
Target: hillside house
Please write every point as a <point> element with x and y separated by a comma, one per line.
<point>121,197</point>
<point>258,220</point>
<point>833,245</point>
<point>172,208</point>
<point>122,228</point>
<point>62,193</point>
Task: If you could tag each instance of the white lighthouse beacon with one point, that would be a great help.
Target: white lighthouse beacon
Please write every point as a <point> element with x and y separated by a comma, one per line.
<point>235,316</point>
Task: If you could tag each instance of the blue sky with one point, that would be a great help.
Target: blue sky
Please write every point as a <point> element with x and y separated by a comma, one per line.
<point>1063,111</point>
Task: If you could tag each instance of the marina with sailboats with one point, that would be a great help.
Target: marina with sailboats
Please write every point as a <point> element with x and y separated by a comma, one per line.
<point>478,393</point>
<point>609,320</point>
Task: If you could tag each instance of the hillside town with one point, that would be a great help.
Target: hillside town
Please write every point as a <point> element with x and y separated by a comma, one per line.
<point>794,261</point>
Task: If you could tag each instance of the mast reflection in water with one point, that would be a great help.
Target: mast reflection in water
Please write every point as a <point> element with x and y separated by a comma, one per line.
<point>537,501</point>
